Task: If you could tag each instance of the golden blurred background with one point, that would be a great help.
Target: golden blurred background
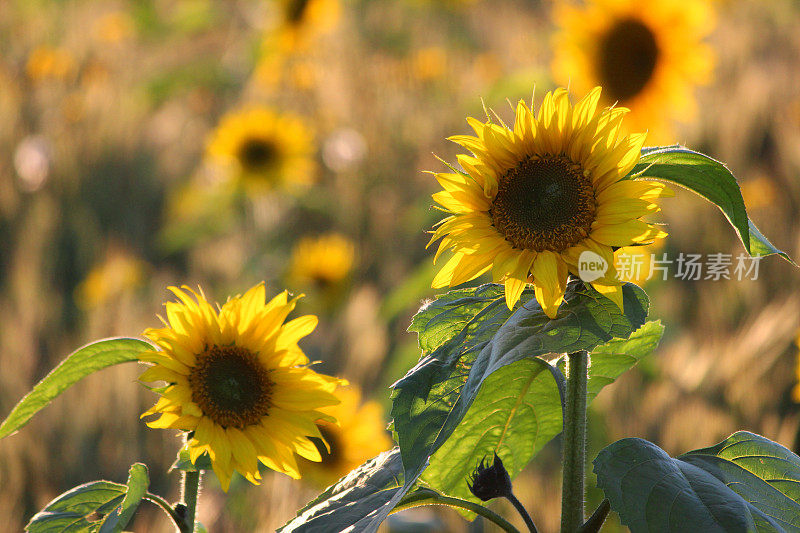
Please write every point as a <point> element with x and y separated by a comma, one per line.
<point>148,143</point>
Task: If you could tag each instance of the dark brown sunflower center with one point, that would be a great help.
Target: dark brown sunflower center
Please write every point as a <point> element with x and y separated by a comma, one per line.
<point>257,154</point>
<point>628,57</point>
<point>231,386</point>
<point>544,204</point>
<point>295,10</point>
<point>332,438</point>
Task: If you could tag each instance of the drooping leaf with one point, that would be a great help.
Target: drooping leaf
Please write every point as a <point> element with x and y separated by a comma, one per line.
<point>99,506</point>
<point>745,483</point>
<point>138,482</point>
<point>360,501</point>
<point>431,401</point>
<point>79,364</point>
<point>713,181</point>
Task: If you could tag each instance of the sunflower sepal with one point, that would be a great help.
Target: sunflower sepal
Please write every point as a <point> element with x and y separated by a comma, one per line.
<point>183,461</point>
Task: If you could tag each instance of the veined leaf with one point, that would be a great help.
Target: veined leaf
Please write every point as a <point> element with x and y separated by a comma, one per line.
<point>439,320</point>
<point>713,181</point>
<point>99,506</point>
<point>612,359</point>
<point>431,402</point>
<point>516,412</point>
<point>76,366</point>
<point>744,483</point>
<point>360,501</point>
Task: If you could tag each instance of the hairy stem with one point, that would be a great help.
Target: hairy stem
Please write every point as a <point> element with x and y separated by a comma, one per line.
<point>189,488</point>
<point>574,437</point>
<point>430,497</point>
<point>165,505</point>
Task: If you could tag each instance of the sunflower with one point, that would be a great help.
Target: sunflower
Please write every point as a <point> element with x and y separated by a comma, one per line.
<point>360,435</point>
<point>305,20</point>
<point>238,382</point>
<point>264,149</point>
<point>648,55</point>
<point>323,261</point>
<point>535,198</point>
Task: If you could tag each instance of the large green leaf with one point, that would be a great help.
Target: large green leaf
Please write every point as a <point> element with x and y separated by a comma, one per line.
<point>79,364</point>
<point>432,400</point>
<point>516,412</point>
<point>99,506</point>
<point>438,321</point>
<point>361,500</point>
<point>612,359</point>
<point>745,483</point>
<point>713,181</point>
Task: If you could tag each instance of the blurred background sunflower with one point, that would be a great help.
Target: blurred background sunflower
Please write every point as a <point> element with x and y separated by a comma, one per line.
<point>104,141</point>
<point>648,55</point>
<point>263,149</point>
<point>359,435</point>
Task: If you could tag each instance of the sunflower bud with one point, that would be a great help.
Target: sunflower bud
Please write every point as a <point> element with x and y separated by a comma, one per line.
<point>489,482</point>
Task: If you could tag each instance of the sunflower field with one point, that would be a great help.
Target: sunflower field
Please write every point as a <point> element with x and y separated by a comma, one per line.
<point>400,266</point>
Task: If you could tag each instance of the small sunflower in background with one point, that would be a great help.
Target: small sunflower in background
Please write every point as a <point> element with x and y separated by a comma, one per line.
<point>648,55</point>
<point>359,436</point>
<point>50,63</point>
<point>533,199</point>
<point>323,261</point>
<point>264,149</point>
<point>238,383</point>
<point>118,273</point>
<point>302,21</point>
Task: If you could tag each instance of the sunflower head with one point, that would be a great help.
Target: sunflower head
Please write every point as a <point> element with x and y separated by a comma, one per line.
<point>322,261</point>
<point>238,383</point>
<point>263,149</point>
<point>305,20</point>
<point>530,200</point>
<point>647,55</point>
<point>359,435</point>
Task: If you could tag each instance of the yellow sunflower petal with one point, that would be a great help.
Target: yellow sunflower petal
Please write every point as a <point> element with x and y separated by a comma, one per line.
<point>550,281</point>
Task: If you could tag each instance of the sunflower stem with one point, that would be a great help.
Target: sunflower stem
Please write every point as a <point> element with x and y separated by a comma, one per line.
<point>431,497</point>
<point>189,488</point>
<point>165,506</point>
<point>574,437</point>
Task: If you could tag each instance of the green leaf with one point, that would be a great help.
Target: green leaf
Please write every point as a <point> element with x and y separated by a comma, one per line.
<point>138,482</point>
<point>713,181</point>
<point>516,412</point>
<point>79,364</point>
<point>611,360</point>
<point>745,483</point>
<point>71,512</point>
<point>433,399</point>
<point>99,506</point>
<point>361,500</point>
<point>438,321</point>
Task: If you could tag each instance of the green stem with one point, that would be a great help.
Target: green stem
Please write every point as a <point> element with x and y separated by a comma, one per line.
<point>574,436</point>
<point>165,505</point>
<point>190,488</point>
<point>523,513</point>
<point>430,497</point>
